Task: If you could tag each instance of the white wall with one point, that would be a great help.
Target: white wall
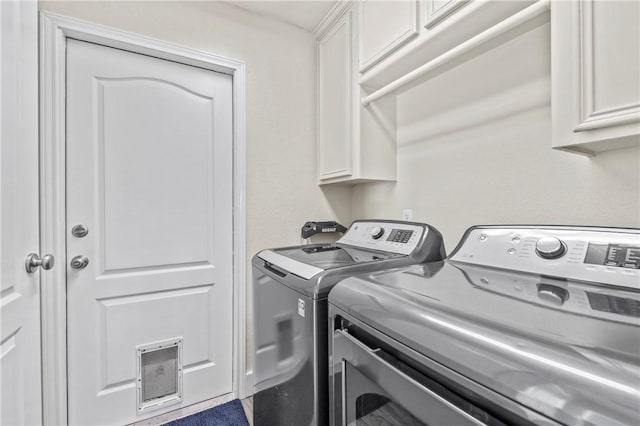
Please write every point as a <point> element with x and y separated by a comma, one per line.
<point>281,106</point>
<point>474,148</point>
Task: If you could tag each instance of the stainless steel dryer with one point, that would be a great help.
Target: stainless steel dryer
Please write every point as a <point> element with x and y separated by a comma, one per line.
<point>290,287</point>
<point>521,325</point>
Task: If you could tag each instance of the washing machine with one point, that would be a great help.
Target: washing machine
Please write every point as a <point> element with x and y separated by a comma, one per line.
<point>290,288</point>
<point>521,325</point>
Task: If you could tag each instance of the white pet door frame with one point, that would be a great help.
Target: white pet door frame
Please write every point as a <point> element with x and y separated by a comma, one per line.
<point>159,367</point>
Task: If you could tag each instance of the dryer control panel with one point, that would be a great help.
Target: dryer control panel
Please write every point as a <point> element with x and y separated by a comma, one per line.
<point>601,255</point>
<point>395,237</point>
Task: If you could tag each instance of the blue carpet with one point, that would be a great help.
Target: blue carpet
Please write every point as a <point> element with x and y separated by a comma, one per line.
<point>228,414</point>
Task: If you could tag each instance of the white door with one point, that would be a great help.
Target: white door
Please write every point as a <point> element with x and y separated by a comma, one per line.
<point>149,175</point>
<point>20,389</point>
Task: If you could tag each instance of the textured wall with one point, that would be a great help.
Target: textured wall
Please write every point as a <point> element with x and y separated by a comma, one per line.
<point>474,148</point>
<point>281,106</point>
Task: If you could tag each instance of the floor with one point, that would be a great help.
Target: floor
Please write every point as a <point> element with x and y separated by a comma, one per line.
<point>247,404</point>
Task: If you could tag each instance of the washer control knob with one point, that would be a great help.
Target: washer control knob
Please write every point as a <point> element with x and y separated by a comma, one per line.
<point>377,232</point>
<point>550,248</point>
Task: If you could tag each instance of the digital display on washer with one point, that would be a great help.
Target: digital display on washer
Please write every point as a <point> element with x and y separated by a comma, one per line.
<point>620,255</point>
<point>399,236</point>
<point>613,304</point>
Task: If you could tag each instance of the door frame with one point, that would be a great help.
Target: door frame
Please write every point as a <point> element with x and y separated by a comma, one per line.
<point>54,31</point>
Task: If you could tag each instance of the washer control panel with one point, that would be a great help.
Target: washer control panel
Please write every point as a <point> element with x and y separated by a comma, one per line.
<point>602,255</point>
<point>394,237</point>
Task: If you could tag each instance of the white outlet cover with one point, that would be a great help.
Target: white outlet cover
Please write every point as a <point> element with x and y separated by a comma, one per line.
<point>407,214</point>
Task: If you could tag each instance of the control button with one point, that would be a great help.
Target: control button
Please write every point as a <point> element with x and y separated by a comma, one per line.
<point>552,294</point>
<point>550,248</point>
<point>377,232</point>
<point>515,240</point>
<point>483,237</point>
<point>511,251</point>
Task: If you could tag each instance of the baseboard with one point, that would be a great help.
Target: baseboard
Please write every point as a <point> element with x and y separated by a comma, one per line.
<point>248,385</point>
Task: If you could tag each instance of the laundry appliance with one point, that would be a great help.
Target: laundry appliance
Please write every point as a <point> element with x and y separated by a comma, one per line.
<point>521,325</point>
<point>290,288</point>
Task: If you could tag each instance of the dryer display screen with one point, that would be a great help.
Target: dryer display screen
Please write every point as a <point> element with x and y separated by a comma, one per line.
<point>620,255</point>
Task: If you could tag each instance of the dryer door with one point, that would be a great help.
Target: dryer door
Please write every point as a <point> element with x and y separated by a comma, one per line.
<point>377,388</point>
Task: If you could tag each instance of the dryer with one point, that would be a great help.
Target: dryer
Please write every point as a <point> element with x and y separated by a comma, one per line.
<point>521,325</point>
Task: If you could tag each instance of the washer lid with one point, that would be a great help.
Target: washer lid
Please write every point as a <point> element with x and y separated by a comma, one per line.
<point>293,266</point>
<point>310,260</point>
<point>566,349</point>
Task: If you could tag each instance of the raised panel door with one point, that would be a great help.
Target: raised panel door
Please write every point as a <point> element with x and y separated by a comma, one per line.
<point>609,34</point>
<point>149,153</point>
<point>335,100</point>
<point>384,27</point>
<point>20,349</point>
<point>595,63</point>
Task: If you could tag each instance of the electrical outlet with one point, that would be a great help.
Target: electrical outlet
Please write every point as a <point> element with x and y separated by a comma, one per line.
<point>407,214</point>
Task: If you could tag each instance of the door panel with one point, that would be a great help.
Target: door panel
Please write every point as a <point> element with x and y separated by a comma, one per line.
<point>135,137</point>
<point>335,119</point>
<point>149,154</point>
<point>20,371</point>
<point>192,306</point>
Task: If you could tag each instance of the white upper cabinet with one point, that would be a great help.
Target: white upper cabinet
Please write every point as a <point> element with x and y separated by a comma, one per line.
<point>335,118</point>
<point>372,51</point>
<point>384,27</point>
<point>595,75</point>
<point>355,144</point>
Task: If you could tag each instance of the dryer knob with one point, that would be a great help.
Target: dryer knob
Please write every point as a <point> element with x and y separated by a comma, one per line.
<point>377,232</point>
<point>550,248</point>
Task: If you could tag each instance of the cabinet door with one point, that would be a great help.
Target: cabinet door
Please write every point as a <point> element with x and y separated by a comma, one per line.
<point>438,10</point>
<point>596,64</point>
<point>609,44</point>
<point>384,27</point>
<point>335,106</point>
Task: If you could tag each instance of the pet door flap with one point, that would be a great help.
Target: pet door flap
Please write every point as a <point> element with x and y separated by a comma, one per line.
<point>159,373</point>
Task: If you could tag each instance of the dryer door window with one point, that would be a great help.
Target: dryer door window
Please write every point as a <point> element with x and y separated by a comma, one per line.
<point>376,388</point>
<point>367,404</point>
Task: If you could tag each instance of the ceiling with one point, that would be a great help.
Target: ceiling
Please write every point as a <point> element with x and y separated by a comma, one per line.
<point>305,14</point>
